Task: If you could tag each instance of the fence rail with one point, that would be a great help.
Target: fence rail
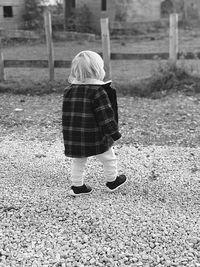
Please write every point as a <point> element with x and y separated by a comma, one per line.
<point>9,63</point>
<point>151,56</point>
<point>34,63</point>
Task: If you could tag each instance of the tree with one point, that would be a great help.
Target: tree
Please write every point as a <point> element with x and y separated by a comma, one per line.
<point>80,20</point>
<point>33,14</point>
<point>67,6</point>
<point>167,8</point>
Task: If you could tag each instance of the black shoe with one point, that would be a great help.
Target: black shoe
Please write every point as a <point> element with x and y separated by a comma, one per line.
<point>80,190</point>
<point>119,181</point>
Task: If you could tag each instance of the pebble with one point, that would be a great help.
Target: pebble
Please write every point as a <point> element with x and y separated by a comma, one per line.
<point>139,263</point>
<point>134,259</point>
<point>18,109</point>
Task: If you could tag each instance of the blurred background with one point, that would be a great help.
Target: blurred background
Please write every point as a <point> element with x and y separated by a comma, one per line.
<point>135,26</point>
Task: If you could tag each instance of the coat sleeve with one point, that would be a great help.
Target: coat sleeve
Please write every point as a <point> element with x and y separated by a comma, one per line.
<point>111,92</point>
<point>104,114</point>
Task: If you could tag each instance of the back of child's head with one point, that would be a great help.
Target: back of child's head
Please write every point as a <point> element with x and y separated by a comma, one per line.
<point>87,65</point>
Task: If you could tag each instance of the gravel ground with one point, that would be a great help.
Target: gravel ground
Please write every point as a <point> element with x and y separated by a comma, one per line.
<point>154,220</point>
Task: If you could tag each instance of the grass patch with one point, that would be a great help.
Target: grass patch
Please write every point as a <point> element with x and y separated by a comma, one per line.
<point>166,79</point>
<point>32,88</point>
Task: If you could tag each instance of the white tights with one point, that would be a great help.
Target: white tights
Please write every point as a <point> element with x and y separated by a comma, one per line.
<point>109,161</point>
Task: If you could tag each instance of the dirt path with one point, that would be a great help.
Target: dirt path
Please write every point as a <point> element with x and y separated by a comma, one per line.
<point>152,221</point>
<point>173,120</point>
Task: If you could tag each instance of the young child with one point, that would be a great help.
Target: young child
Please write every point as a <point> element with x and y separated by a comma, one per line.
<point>90,122</point>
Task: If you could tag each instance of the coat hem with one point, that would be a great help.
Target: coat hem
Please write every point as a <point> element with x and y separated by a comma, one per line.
<point>88,155</point>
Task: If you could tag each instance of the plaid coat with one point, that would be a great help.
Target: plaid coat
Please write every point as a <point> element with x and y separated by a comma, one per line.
<point>89,119</point>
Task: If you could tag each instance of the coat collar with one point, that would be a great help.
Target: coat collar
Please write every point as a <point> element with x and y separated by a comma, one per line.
<point>92,81</point>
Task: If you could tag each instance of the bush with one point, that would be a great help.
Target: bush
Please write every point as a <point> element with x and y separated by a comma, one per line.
<point>57,16</point>
<point>121,13</point>
<point>166,78</point>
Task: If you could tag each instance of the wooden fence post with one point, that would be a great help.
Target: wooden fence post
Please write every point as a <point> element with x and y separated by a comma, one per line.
<point>173,38</point>
<point>2,73</point>
<point>48,32</point>
<point>105,35</point>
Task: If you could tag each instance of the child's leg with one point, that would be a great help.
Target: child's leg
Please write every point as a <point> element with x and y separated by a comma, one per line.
<point>109,161</point>
<point>77,171</point>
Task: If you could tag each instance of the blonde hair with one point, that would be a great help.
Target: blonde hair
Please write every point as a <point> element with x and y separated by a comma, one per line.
<point>87,64</point>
